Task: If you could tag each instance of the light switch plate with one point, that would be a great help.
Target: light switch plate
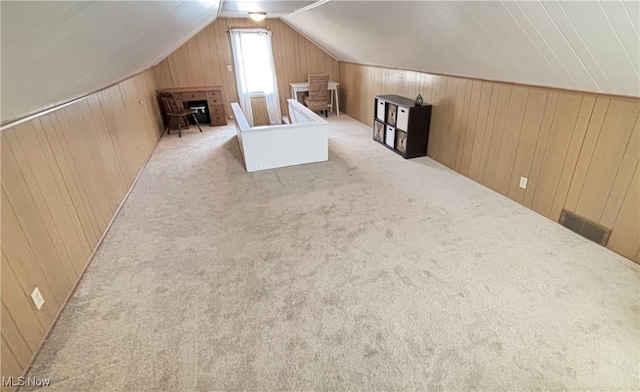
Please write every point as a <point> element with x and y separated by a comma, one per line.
<point>523,182</point>
<point>37,298</point>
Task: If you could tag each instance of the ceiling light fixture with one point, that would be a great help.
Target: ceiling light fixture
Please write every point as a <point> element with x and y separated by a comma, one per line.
<point>258,16</point>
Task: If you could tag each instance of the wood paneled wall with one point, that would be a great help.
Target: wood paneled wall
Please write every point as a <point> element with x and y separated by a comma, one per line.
<point>205,58</point>
<point>579,151</point>
<point>259,108</point>
<point>63,177</point>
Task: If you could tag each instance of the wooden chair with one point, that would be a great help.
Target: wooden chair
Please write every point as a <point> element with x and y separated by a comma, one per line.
<point>175,116</point>
<point>318,98</point>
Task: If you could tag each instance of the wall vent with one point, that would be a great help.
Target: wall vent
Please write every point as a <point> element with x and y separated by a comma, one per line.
<point>588,229</point>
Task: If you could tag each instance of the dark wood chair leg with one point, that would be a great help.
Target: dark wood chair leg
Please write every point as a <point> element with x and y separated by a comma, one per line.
<point>179,127</point>
<point>196,120</point>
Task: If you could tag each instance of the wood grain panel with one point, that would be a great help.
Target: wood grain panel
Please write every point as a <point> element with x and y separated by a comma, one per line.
<point>10,365</point>
<point>259,107</point>
<point>488,133</point>
<point>610,148</point>
<point>203,60</point>
<point>510,139</point>
<point>531,125</point>
<point>469,128</point>
<point>555,152</point>
<point>76,139</point>
<point>444,96</point>
<point>64,175</point>
<point>14,297</point>
<point>586,153</point>
<point>628,166</point>
<point>45,192</point>
<point>462,125</point>
<point>486,97</point>
<point>108,151</point>
<point>27,240</point>
<point>579,151</point>
<point>626,229</point>
<point>541,146</point>
<point>56,190</point>
<point>571,157</point>
<point>14,338</point>
<point>497,134</point>
<point>113,109</point>
<point>460,107</point>
<point>77,194</point>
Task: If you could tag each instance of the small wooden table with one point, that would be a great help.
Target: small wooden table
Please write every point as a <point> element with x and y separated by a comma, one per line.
<point>211,94</point>
<point>300,87</point>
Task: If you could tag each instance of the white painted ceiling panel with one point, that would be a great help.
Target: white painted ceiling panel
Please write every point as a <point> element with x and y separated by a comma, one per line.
<point>559,75</point>
<point>53,52</point>
<point>623,25</point>
<point>554,40</point>
<point>467,46</point>
<point>594,27</point>
<point>521,49</point>
<point>508,50</point>
<point>588,46</point>
<point>273,8</point>
<point>580,48</point>
<point>459,32</point>
<point>633,10</point>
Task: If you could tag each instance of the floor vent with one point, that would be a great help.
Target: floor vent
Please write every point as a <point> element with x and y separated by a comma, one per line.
<point>590,230</point>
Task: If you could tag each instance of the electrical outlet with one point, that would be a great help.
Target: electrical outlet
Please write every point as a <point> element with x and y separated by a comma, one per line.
<point>231,117</point>
<point>523,182</point>
<point>37,298</point>
<point>229,68</point>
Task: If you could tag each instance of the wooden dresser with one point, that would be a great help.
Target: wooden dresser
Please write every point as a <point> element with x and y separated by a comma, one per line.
<point>211,94</point>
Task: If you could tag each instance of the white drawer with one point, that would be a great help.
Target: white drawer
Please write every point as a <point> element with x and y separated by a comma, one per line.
<point>403,118</point>
<point>390,136</point>
<point>380,110</point>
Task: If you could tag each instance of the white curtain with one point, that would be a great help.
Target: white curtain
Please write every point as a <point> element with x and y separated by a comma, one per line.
<point>255,71</point>
<point>272,97</point>
<point>244,95</point>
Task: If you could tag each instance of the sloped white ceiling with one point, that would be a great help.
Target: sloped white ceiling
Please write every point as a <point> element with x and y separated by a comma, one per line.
<point>273,8</point>
<point>581,45</point>
<point>55,51</point>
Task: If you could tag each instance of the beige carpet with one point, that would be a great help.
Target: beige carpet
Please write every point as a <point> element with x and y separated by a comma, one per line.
<point>368,272</point>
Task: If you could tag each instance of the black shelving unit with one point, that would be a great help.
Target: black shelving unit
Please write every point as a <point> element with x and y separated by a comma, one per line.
<point>401,125</point>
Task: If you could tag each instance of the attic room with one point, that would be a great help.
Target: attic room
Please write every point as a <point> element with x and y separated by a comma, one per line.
<point>320,195</point>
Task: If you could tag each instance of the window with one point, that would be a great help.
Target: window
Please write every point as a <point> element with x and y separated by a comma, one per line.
<point>256,61</point>
<point>255,71</point>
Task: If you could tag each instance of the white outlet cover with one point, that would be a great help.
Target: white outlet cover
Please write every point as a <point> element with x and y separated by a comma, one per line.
<point>523,182</point>
<point>37,298</point>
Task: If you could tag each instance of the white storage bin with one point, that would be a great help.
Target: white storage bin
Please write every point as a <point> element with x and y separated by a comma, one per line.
<point>390,136</point>
<point>380,112</point>
<point>403,118</point>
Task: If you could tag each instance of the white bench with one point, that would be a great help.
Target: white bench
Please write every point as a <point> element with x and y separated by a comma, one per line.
<point>305,140</point>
